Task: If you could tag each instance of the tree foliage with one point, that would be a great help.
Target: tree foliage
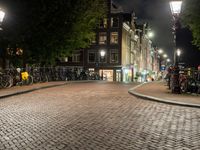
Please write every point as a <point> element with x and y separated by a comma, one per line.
<point>191,17</point>
<point>47,30</point>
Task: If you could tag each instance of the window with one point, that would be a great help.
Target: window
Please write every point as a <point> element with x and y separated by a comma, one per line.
<point>93,40</point>
<point>114,22</point>
<point>75,57</point>
<point>114,37</point>
<point>103,23</point>
<point>102,38</point>
<point>91,56</point>
<point>114,56</point>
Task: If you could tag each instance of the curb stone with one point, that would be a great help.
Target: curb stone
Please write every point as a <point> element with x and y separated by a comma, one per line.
<point>156,99</point>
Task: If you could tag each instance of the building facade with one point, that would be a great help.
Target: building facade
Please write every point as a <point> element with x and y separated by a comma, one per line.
<point>126,52</point>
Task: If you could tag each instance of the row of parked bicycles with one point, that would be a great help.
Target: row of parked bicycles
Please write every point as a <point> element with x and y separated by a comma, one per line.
<point>189,81</point>
<point>20,76</point>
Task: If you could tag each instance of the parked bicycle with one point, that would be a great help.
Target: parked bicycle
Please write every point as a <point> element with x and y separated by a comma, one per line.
<point>5,80</point>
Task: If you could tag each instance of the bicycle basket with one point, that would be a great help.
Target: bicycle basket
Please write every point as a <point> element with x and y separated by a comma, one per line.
<point>24,75</point>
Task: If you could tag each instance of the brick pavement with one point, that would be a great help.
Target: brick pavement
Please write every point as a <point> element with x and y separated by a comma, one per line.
<point>91,116</point>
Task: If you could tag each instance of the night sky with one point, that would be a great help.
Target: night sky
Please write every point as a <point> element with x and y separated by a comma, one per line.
<point>157,13</point>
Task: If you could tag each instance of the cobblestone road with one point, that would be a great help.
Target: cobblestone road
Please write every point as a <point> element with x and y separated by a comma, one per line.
<point>91,116</point>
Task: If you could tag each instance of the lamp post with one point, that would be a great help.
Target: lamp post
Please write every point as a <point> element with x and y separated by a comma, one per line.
<point>102,56</point>
<point>175,7</point>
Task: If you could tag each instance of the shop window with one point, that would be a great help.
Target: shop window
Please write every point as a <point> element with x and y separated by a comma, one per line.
<point>114,56</point>
<point>102,38</point>
<point>114,37</point>
<point>114,22</point>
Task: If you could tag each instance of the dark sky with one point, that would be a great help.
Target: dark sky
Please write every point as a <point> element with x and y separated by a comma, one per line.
<point>157,13</point>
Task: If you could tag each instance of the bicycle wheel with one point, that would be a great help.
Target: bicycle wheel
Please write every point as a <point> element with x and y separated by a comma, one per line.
<point>44,78</point>
<point>183,87</point>
<point>6,81</point>
<point>28,81</point>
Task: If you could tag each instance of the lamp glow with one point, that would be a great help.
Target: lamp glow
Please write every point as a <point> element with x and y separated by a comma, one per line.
<point>150,34</point>
<point>165,55</point>
<point>102,53</point>
<point>175,7</point>
<point>2,14</point>
<point>178,52</point>
<point>160,51</point>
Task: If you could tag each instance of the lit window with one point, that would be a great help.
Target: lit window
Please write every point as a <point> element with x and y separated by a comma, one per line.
<point>91,57</point>
<point>114,38</point>
<point>114,22</point>
<point>102,38</point>
<point>114,56</point>
<point>103,23</point>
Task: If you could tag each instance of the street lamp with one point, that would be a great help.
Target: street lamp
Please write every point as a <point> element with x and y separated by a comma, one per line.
<point>150,34</point>
<point>102,55</point>
<point>160,51</point>
<point>165,56</point>
<point>178,52</point>
<point>2,14</point>
<point>175,7</point>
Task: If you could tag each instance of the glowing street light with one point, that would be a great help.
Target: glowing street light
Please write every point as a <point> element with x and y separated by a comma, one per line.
<point>2,14</point>
<point>175,7</point>
<point>150,34</point>
<point>165,56</point>
<point>102,53</point>
<point>160,51</point>
<point>178,52</point>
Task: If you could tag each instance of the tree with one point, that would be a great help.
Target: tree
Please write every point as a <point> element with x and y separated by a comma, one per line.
<point>191,18</point>
<point>47,30</point>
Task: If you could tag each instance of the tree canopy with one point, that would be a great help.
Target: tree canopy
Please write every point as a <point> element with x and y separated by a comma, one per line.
<point>47,30</point>
<point>191,17</point>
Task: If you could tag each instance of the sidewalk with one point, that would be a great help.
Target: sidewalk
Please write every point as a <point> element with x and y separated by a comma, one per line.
<point>16,90</point>
<point>158,91</point>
